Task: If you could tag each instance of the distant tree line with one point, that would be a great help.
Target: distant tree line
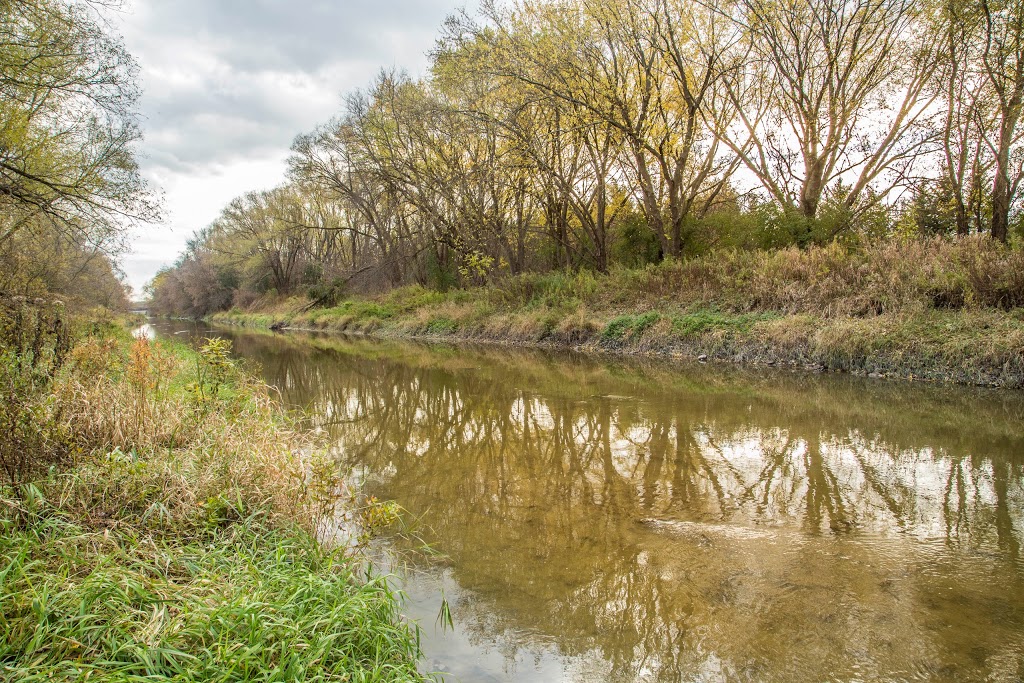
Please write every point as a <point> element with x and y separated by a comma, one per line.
<point>70,189</point>
<point>597,133</point>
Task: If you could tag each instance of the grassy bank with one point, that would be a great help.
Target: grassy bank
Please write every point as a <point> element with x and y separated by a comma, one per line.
<point>934,310</point>
<point>166,525</point>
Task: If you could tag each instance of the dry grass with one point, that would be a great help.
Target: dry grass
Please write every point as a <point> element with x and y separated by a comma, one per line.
<point>938,308</point>
<point>182,542</point>
<point>826,281</point>
<point>162,431</point>
<point>836,281</point>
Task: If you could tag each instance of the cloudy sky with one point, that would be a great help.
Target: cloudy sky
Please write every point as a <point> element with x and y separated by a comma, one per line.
<point>229,83</point>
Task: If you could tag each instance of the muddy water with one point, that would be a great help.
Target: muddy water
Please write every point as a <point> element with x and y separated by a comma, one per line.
<point>602,519</point>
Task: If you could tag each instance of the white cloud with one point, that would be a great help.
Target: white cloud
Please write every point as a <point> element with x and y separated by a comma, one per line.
<point>228,84</point>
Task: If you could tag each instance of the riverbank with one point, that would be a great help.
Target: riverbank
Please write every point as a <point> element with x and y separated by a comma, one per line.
<point>166,527</point>
<point>931,310</point>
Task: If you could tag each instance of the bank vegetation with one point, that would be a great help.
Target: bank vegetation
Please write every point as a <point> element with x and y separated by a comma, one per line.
<point>163,520</point>
<point>160,516</point>
<point>923,310</point>
<point>777,159</point>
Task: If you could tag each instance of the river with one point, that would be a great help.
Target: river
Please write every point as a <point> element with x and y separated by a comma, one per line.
<point>609,519</point>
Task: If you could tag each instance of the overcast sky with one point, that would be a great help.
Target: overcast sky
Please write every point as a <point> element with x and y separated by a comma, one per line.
<point>228,84</point>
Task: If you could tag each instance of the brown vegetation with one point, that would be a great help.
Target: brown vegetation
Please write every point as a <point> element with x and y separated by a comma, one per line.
<point>933,309</point>
<point>165,523</point>
<point>604,134</point>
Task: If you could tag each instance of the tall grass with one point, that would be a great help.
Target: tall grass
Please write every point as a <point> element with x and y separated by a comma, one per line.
<point>835,280</point>
<point>246,603</point>
<point>840,281</point>
<point>939,309</point>
<point>180,543</point>
<point>832,281</point>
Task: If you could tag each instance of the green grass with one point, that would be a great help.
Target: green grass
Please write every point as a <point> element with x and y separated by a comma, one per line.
<point>246,603</point>
<point>415,297</point>
<point>180,541</point>
<point>441,325</point>
<point>699,322</point>
<point>947,309</point>
<point>629,326</point>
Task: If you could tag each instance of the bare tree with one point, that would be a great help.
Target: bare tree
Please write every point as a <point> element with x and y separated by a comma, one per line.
<point>1003,60</point>
<point>965,99</point>
<point>67,124</point>
<point>832,89</point>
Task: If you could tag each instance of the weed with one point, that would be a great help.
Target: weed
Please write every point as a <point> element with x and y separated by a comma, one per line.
<point>630,326</point>
<point>213,369</point>
<point>441,325</point>
<point>182,542</point>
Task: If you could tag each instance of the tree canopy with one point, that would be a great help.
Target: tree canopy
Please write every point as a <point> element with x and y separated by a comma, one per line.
<point>575,134</point>
<point>68,132</point>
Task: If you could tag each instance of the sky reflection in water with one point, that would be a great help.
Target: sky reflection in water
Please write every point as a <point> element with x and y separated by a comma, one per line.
<point>603,519</point>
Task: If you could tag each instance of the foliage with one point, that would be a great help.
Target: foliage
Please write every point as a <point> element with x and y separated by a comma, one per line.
<point>70,187</point>
<point>571,136</point>
<point>40,261</point>
<point>35,340</point>
<point>67,125</point>
<point>181,542</point>
<point>213,369</point>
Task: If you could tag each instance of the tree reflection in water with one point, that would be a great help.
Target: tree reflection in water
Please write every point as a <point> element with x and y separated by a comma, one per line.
<point>691,525</point>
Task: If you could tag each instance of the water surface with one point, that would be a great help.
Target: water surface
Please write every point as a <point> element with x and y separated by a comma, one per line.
<point>607,519</point>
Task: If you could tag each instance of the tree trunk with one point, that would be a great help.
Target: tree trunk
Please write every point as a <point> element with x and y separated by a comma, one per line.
<point>813,187</point>
<point>652,210</point>
<point>601,229</point>
<point>963,221</point>
<point>1001,188</point>
<point>1000,209</point>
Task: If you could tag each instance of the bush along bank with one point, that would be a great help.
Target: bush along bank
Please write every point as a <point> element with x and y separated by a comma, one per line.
<point>935,310</point>
<point>164,525</point>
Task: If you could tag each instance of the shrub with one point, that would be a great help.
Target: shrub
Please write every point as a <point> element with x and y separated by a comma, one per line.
<point>441,325</point>
<point>34,343</point>
<point>630,326</point>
